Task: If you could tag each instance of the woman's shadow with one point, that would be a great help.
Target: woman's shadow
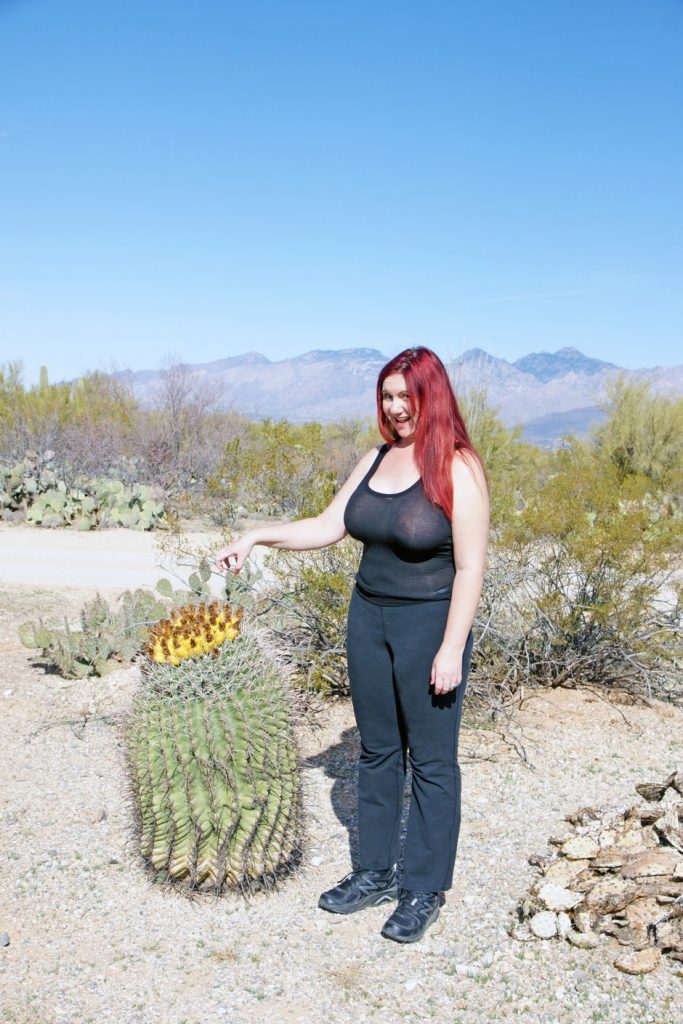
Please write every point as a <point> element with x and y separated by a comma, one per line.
<point>340,762</point>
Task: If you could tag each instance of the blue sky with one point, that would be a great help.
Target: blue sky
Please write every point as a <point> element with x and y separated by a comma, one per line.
<point>207,179</point>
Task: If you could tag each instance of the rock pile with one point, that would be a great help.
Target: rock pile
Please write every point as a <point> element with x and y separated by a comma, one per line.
<point>617,873</point>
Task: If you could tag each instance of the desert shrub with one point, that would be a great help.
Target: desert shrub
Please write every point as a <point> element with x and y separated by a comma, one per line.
<point>512,465</point>
<point>581,588</point>
<point>643,433</point>
<point>97,437</point>
<point>305,602</point>
<point>284,469</point>
<point>181,436</point>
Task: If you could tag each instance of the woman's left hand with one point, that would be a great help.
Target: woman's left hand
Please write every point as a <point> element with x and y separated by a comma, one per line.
<point>446,670</point>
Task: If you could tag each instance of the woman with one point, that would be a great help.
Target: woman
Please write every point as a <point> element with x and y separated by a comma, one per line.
<point>419,503</point>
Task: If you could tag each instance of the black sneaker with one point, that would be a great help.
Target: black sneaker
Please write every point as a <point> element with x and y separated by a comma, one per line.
<point>414,914</point>
<point>360,889</point>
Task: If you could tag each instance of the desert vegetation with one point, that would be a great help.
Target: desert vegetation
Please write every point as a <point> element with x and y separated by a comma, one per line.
<point>583,585</point>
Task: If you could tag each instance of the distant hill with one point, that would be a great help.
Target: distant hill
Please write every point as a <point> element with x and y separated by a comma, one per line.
<point>550,393</point>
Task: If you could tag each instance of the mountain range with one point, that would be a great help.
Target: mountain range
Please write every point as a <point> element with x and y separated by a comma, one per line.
<point>549,393</point>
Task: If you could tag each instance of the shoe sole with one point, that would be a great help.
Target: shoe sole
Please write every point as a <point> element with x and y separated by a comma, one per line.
<point>432,923</point>
<point>373,900</point>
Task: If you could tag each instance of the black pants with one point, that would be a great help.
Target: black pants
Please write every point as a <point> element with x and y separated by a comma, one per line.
<point>390,654</point>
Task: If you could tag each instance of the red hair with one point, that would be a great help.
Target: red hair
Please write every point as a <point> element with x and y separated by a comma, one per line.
<point>440,427</point>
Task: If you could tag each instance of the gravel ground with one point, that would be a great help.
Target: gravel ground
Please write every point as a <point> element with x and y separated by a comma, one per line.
<point>91,939</point>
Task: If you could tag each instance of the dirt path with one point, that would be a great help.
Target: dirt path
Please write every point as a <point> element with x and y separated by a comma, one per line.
<point>91,940</point>
<point>105,560</point>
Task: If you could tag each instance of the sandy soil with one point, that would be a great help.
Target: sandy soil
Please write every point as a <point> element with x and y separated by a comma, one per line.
<point>92,940</point>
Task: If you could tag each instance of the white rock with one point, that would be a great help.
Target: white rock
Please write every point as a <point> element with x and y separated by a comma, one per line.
<point>544,924</point>
<point>557,898</point>
<point>564,924</point>
<point>580,847</point>
<point>411,984</point>
<point>316,861</point>
<point>584,940</point>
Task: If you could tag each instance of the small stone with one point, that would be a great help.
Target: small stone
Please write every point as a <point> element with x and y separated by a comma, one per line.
<point>677,873</point>
<point>607,838</point>
<point>641,962</point>
<point>610,895</point>
<point>557,898</point>
<point>610,857</point>
<point>521,933</point>
<point>4,939</point>
<point>7,693</point>
<point>457,950</point>
<point>564,924</point>
<point>544,924</point>
<point>631,835</point>
<point>582,921</point>
<point>52,852</point>
<point>655,862</point>
<point>560,837</point>
<point>487,958</point>
<point>316,861</point>
<point>563,871</point>
<point>584,940</point>
<point>411,984</point>
<point>580,848</point>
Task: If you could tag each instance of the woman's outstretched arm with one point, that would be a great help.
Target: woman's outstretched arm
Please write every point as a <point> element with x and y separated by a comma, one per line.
<point>302,534</point>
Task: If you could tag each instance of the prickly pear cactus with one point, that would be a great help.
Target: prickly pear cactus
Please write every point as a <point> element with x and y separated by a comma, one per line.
<point>214,768</point>
<point>31,488</point>
<point>107,638</point>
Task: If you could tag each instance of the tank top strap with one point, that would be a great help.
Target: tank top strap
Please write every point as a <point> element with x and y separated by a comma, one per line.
<point>380,455</point>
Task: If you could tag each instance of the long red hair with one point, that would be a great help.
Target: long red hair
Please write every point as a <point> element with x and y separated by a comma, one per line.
<point>440,427</point>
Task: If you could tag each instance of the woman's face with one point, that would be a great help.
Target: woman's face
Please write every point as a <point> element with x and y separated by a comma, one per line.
<point>397,406</point>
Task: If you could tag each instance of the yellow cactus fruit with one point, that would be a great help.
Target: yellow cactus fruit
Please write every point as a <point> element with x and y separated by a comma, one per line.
<point>191,631</point>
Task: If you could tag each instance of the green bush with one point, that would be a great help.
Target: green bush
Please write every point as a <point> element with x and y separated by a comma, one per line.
<point>582,586</point>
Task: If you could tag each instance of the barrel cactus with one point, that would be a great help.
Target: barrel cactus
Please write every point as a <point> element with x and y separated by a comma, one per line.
<point>192,631</point>
<point>214,768</point>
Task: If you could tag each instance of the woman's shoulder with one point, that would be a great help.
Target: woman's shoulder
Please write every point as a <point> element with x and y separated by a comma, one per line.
<point>366,462</point>
<point>372,453</point>
<point>467,468</point>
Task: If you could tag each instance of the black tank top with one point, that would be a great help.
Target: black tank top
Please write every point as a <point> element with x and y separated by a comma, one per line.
<point>407,543</point>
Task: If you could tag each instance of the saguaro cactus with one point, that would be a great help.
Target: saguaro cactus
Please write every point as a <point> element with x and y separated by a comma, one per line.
<point>215,768</point>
